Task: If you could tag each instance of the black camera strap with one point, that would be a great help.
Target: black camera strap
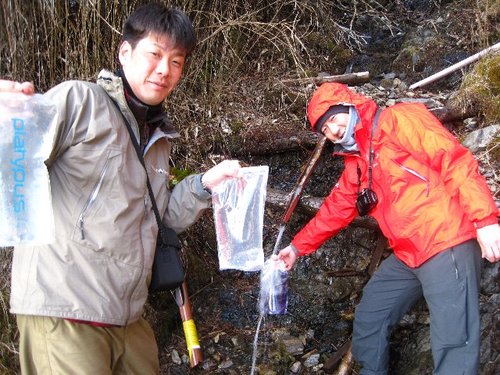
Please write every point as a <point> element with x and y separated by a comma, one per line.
<point>371,153</point>
<point>161,227</point>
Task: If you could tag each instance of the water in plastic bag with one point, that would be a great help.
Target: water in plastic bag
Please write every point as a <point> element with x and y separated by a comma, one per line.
<point>238,206</point>
<point>273,297</point>
<point>25,141</point>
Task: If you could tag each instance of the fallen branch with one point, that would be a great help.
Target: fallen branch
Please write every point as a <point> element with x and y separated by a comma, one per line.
<point>454,67</point>
<point>310,205</point>
<point>377,254</point>
<point>348,78</point>
<point>278,143</point>
<point>346,272</point>
<point>445,114</point>
<point>346,364</point>
<point>334,359</point>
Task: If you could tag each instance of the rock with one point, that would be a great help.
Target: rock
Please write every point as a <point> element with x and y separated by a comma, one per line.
<point>471,123</point>
<point>312,360</point>
<point>208,364</point>
<point>490,280</point>
<point>175,357</point>
<point>235,341</point>
<point>293,345</point>
<point>296,367</point>
<point>341,288</point>
<point>317,368</point>
<point>479,139</point>
<point>225,364</point>
<point>387,83</point>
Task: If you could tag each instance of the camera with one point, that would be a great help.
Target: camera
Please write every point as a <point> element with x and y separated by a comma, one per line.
<point>366,201</point>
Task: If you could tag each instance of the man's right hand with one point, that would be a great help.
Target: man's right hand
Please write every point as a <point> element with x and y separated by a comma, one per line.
<point>12,86</point>
<point>288,256</point>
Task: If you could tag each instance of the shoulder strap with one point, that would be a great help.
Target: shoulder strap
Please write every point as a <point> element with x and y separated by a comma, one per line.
<point>161,227</point>
<point>374,125</point>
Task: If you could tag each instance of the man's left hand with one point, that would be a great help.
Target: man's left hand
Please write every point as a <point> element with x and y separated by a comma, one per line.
<point>218,173</point>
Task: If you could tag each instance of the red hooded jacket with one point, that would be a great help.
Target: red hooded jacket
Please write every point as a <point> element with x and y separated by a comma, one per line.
<point>430,193</point>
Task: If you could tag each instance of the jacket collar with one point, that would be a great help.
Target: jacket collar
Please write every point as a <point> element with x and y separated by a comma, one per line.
<point>114,86</point>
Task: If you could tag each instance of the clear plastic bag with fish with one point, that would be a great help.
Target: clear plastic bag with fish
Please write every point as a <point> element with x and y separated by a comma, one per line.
<point>238,207</point>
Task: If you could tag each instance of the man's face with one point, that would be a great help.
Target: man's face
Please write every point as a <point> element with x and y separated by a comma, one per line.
<point>153,68</point>
<point>334,128</point>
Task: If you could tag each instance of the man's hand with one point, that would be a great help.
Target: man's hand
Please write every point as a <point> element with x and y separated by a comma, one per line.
<point>489,240</point>
<point>218,173</point>
<point>13,86</point>
<point>287,256</point>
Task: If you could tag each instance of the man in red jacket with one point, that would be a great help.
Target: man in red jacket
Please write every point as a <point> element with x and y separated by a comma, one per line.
<point>423,187</point>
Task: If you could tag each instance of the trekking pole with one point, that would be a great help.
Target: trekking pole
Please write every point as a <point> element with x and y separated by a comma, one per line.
<point>299,187</point>
<point>190,333</point>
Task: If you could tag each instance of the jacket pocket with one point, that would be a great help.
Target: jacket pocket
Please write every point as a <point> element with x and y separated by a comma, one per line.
<point>411,172</point>
<point>410,198</point>
<point>104,201</point>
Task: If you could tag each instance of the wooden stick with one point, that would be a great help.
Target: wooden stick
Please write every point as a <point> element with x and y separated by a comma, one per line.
<point>346,364</point>
<point>333,360</point>
<point>377,254</point>
<point>454,67</point>
<point>306,173</point>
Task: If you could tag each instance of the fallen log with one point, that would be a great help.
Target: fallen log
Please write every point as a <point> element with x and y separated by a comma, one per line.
<point>445,114</point>
<point>310,205</point>
<point>277,143</point>
<point>348,78</point>
<point>306,139</point>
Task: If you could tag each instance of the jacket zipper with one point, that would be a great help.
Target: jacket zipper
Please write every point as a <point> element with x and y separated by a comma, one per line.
<point>416,174</point>
<point>91,199</point>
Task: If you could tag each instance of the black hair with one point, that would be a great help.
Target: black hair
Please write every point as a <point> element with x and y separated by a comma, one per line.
<point>157,19</point>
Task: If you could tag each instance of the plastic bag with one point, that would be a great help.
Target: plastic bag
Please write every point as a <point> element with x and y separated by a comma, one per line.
<point>273,297</point>
<point>25,142</point>
<point>238,206</point>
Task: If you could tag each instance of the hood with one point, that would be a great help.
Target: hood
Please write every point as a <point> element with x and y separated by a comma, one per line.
<point>332,93</point>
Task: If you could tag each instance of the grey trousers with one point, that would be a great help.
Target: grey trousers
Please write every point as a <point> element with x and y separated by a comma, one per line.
<point>449,282</point>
